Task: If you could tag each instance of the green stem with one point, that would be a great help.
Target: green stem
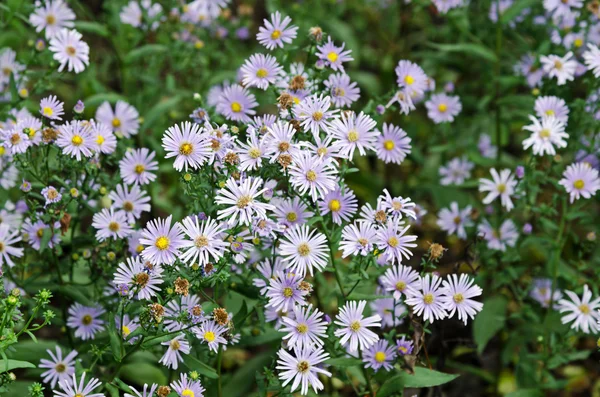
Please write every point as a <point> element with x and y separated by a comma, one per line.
<point>219,384</point>
<point>366,375</point>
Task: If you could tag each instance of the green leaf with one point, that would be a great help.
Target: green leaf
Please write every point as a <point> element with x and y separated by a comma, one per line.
<point>344,362</point>
<point>203,369</point>
<point>158,110</point>
<point>9,365</point>
<point>92,27</point>
<point>115,341</point>
<point>513,11</point>
<point>76,294</point>
<point>141,373</point>
<point>489,321</point>
<point>477,50</point>
<point>144,51</point>
<point>525,393</point>
<point>240,383</point>
<point>46,236</point>
<point>267,337</point>
<point>425,377</point>
<point>391,386</point>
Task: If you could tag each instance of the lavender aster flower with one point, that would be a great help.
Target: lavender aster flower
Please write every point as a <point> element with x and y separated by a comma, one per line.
<point>426,299</point>
<point>454,220</point>
<point>302,368</point>
<point>354,327</point>
<point>236,103</point>
<point>305,329</point>
<point>176,347</point>
<point>142,278</point>
<point>380,355</point>
<point>343,91</point>
<point>137,166</point>
<point>58,368</point>
<point>85,320</point>
<point>393,145</point>
<point>186,387</point>
<point>442,108</point>
<point>162,242</point>
<point>260,71</point>
<point>458,294</point>
<point>403,346</point>
<point>276,32</point>
<point>70,387</point>
<point>334,56</point>
<point>580,180</point>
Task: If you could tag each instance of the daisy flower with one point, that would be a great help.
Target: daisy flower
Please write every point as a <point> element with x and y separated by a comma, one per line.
<point>314,113</point>
<point>334,56</point>
<point>562,7</point>
<point>52,108</point>
<point>142,278</point>
<point>499,239</point>
<point>303,368</point>
<point>137,166</point>
<point>400,279</point>
<point>592,59</point>
<point>51,195</point>
<point>393,145</point>
<point>285,290</point>
<point>458,294</point>
<point>411,79</point>
<point>15,140</point>
<point>354,327</point>
<point>7,240</point>
<point>260,71</point>
<point>358,239</point>
<point>551,106</point>
<point>583,312</point>
<point>280,141</point>
<point>485,147</point>
<point>267,272</point>
<point>32,127</point>
<point>393,240</point>
<point>127,327</point>
<point>454,220</point>
<point>343,92</point>
<point>442,108</point>
<point>291,212</point>
<point>305,329</point>
<point>252,151</point>
<point>58,368</point>
<point>187,144</point>
<point>132,14</point>
<point>236,103</point>
<point>381,354</point>
<point>403,346</point>
<point>443,6</point>
<point>204,241</point>
<point>542,293</point>
<point>85,320</point>
<point>242,201</point>
<point>123,120</point>
<point>70,387</point>
<point>317,177</point>
<point>211,333</point>
<point>70,51</point>
<point>304,249</point>
<point>426,298</point>
<point>105,141</point>
<point>563,68</point>
<point>186,387</point>
<point>355,132</point>
<point>162,242</point>
<point>390,310</point>
<point>132,201</point>
<point>342,204</point>
<point>173,356</point>
<point>580,180</point>
<point>9,66</point>
<point>456,171</point>
<point>173,320</point>
<point>147,391</point>
<point>276,32</point>
<point>111,224</point>
<point>76,139</point>
<point>52,16</point>
<point>501,185</point>
<point>323,148</point>
<point>396,206</point>
<point>545,135</point>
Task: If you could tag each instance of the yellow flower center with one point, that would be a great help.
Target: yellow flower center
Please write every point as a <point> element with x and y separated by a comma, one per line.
<point>162,243</point>
<point>209,336</point>
<point>389,145</point>
<point>442,107</point>
<point>236,107</point>
<point>186,149</point>
<point>175,345</point>
<point>332,56</point>
<point>77,140</point>
<point>400,286</point>
<point>585,309</point>
<point>243,202</point>
<point>40,232</point>
<point>355,326</point>
<point>549,112</point>
<point>139,169</point>
<point>60,368</point>
<point>458,298</point>
<point>578,42</point>
<point>262,73</point>
<point>71,50</point>
<point>125,330</point>
<point>276,34</point>
<point>128,206</point>
<point>302,328</point>
<point>501,188</point>
<point>428,299</point>
<point>114,227</point>
<point>409,79</point>
<point>311,176</point>
<point>353,136</point>
<point>187,393</point>
<point>201,241</point>
<point>322,151</point>
<point>380,357</point>
<point>393,242</point>
<point>254,153</point>
<point>335,205</point>
<point>116,123</point>
<point>545,133</point>
<point>558,65</point>
<point>303,249</point>
<point>50,19</point>
<point>303,366</point>
<point>457,220</point>
<point>87,319</point>
<point>317,116</point>
<point>48,111</point>
<point>579,184</point>
<point>291,217</point>
<point>100,140</point>
<point>139,248</point>
<point>288,292</point>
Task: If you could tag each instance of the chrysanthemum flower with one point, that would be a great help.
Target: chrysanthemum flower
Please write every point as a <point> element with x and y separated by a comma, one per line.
<point>104,139</point>
<point>15,140</point>
<point>52,108</point>
<point>305,329</point>
<point>343,92</point>
<point>70,51</point>
<point>111,224</point>
<point>205,242</point>
<point>236,103</point>
<point>393,240</point>
<point>442,108</point>
<point>58,368</point>
<point>137,166</point>
<point>132,201</point>
<point>123,120</point>
<point>354,327</point>
<point>501,185</point>
<point>187,144</point>
<point>147,391</point>
<point>393,145</point>
<point>7,240</point>
<point>400,279</point>
<point>162,242</point>
<point>563,68</point>
<point>176,347</point>
<point>291,212</point>
<point>211,333</point>
<point>186,387</point>
<point>276,32</point>
<point>397,207</point>
<point>485,147</point>
<point>499,239</point>
<point>583,312</point>
<point>51,194</point>
<point>9,67</point>
<point>411,79</point>
<point>454,220</point>
<point>142,278</point>
<point>355,132</point>
<point>33,232</point>
<point>76,139</point>
<point>342,204</point>
<point>280,141</point>
<point>70,387</point>
<point>52,16</point>
<point>580,180</point>
<point>174,309</point>
<point>314,113</point>
<point>551,106</point>
<point>85,320</point>
<point>252,151</point>
<point>304,250</point>
<point>592,59</point>
<point>456,171</point>
<point>242,202</point>
<point>545,135</point>
<point>458,294</point>
<point>403,346</point>
<point>285,291</point>
<point>315,176</point>
<point>334,56</point>
<point>358,239</point>
<point>542,293</point>
<point>260,71</point>
<point>562,7</point>
<point>32,127</point>
<point>381,354</point>
<point>426,298</point>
